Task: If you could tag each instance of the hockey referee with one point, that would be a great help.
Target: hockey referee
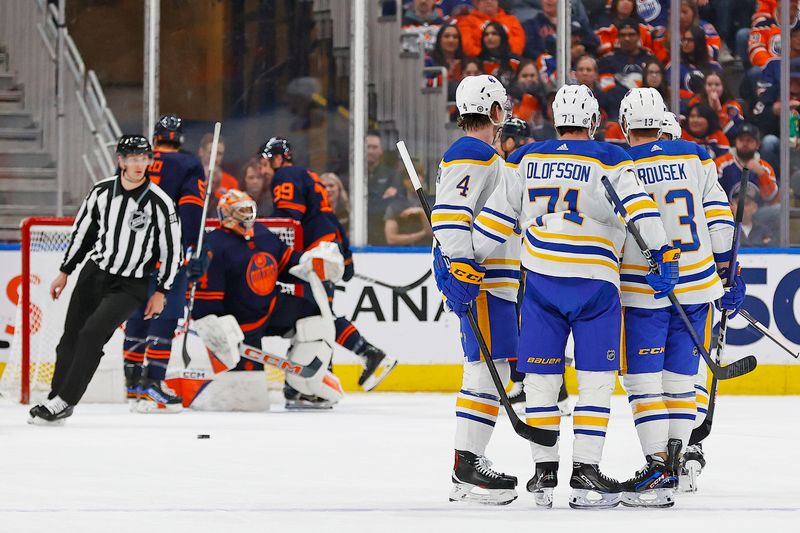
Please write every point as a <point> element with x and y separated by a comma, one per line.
<point>128,227</point>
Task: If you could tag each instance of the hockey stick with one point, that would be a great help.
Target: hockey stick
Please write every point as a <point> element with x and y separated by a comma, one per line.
<point>212,163</point>
<point>260,356</point>
<point>733,370</point>
<point>703,430</point>
<point>543,437</point>
<point>761,328</point>
<point>395,288</point>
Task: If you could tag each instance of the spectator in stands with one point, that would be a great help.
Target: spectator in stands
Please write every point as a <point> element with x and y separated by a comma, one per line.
<point>586,73</point>
<point>496,56</point>
<point>695,63</point>
<point>526,92</point>
<point>764,43</point>
<point>689,17</point>
<point>702,127</point>
<point>337,197</point>
<point>448,53</point>
<point>405,222</point>
<point>755,232</point>
<point>606,28</point>
<point>383,184</point>
<point>743,155</point>
<point>253,183</point>
<point>543,129</point>
<point>472,24</point>
<point>718,98</point>
<point>421,24</point>
<point>221,182</point>
<point>655,77</point>
<point>454,8</point>
<point>625,65</point>
<point>472,67</point>
<point>540,32</point>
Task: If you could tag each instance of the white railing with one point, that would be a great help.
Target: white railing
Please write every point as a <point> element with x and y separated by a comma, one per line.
<point>30,32</point>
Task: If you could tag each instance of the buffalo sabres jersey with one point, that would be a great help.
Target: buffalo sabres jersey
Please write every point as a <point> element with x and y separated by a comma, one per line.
<point>682,179</point>
<point>554,188</point>
<point>468,173</point>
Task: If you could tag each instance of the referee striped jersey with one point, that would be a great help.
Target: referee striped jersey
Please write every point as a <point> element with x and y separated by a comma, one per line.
<point>127,233</point>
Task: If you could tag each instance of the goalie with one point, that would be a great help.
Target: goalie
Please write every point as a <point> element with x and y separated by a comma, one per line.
<point>238,274</point>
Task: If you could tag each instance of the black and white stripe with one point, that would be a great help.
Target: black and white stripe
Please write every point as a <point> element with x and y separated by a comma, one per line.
<point>126,233</point>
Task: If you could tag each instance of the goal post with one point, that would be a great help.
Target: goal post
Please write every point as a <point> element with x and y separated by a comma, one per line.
<point>39,320</point>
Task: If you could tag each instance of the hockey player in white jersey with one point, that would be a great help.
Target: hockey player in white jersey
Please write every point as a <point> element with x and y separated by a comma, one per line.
<point>571,251</point>
<point>660,360</point>
<point>670,129</point>
<point>468,173</point>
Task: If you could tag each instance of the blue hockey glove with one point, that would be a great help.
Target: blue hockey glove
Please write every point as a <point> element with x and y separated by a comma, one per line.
<point>196,267</point>
<point>460,282</point>
<point>734,296</point>
<point>667,260</point>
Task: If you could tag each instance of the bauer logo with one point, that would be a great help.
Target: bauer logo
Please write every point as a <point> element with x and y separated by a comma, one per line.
<point>544,360</point>
<point>611,355</point>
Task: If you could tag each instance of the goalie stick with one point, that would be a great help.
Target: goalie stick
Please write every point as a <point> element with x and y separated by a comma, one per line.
<point>701,432</point>
<point>543,437</point>
<point>733,370</point>
<point>395,288</point>
<point>209,179</point>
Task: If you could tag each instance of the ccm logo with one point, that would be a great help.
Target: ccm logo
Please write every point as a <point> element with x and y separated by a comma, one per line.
<point>271,360</point>
<point>467,276</point>
<point>652,351</point>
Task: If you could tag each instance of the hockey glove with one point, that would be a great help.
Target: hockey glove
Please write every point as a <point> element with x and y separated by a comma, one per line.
<point>324,259</point>
<point>734,295</point>
<point>665,280</point>
<point>196,267</point>
<point>349,271</point>
<point>461,283</point>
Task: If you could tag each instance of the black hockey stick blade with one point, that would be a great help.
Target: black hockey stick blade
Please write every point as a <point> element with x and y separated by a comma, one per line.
<point>395,288</point>
<point>735,369</point>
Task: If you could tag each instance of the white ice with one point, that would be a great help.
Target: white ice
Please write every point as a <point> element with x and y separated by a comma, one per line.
<point>379,462</point>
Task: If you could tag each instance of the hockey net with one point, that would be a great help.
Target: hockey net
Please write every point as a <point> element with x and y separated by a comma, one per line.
<point>37,332</point>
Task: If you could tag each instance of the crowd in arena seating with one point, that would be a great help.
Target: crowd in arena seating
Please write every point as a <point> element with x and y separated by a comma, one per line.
<point>732,112</point>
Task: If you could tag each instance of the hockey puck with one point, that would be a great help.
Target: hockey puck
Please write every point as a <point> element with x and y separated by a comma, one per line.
<point>203,436</point>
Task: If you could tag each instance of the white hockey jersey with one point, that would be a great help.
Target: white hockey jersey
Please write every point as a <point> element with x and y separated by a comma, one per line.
<point>554,187</point>
<point>468,174</point>
<point>682,179</point>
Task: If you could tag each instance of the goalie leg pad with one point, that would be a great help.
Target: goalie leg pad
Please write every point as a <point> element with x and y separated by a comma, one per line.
<point>590,418</point>
<point>650,415</point>
<point>541,410</point>
<point>221,335</point>
<point>477,406</point>
<point>679,395</point>
<point>314,338</point>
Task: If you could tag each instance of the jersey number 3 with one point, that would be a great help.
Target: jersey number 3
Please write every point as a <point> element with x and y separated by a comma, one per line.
<point>463,186</point>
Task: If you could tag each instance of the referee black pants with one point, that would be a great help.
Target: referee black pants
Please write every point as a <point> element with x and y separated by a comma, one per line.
<point>100,303</point>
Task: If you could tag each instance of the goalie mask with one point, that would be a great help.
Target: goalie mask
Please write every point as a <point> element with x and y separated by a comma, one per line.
<point>237,212</point>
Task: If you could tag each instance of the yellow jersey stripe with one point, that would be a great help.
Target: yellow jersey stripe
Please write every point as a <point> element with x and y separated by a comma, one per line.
<point>587,238</point>
<point>679,404</point>
<point>576,157</point>
<point>491,410</point>
<point>512,262</point>
<point>641,204</point>
<point>648,406</point>
<point>491,223</point>
<point>448,217</point>
<point>470,162</point>
<point>705,285</point>
<point>719,213</point>
<point>589,421</point>
<point>684,268</point>
<point>579,260</point>
<point>500,285</point>
<point>544,421</point>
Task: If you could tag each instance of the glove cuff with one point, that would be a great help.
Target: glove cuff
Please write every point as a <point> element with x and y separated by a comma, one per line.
<point>667,254</point>
<point>467,271</point>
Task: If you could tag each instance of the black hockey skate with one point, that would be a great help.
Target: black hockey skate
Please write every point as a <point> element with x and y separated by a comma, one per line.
<point>692,464</point>
<point>591,489</point>
<point>52,413</point>
<point>652,486</point>
<point>156,397</point>
<point>377,366</point>
<point>133,375</point>
<point>541,485</point>
<point>296,401</point>
<point>475,481</point>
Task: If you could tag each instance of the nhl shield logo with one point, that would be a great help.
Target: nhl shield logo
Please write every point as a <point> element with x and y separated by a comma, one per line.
<point>138,221</point>
<point>695,352</point>
<point>611,355</point>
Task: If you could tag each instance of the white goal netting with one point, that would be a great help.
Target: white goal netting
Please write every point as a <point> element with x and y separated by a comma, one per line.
<point>44,241</point>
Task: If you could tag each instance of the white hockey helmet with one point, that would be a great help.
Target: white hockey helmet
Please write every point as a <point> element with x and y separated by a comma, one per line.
<point>476,94</point>
<point>641,108</point>
<point>670,125</point>
<point>576,105</point>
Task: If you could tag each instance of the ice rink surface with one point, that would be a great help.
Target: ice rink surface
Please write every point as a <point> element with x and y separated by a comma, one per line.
<point>379,462</point>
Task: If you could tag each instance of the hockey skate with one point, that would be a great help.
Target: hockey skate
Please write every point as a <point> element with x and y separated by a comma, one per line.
<point>652,486</point>
<point>296,401</point>
<point>133,375</point>
<point>377,365</point>
<point>541,485</point>
<point>157,397</point>
<point>52,413</point>
<point>591,489</point>
<point>475,481</point>
<point>692,464</point>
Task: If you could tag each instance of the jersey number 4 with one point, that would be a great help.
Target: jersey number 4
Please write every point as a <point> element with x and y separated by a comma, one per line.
<point>463,186</point>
